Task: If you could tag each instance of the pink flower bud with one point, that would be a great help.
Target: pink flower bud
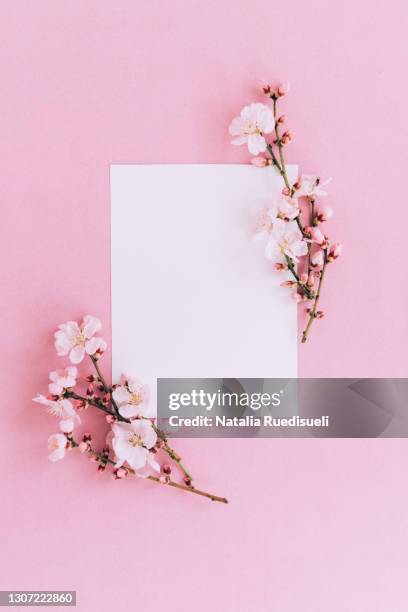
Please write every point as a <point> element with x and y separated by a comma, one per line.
<point>187,481</point>
<point>283,89</point>
<point>90,389</point>
<point>282,119</point>
<point>311,281</point>
<point>286,191</point>
<point>267,89</point>
<point>280,267</point>
<point>286,137</point>
<point>289,283</point>
<point>121,472</point>
<point>297,185</point>
<point>166,468</point>
<point>318,259</point>
<point>110,419</point>
<point>320,314</point>
<point>316,235</point>
<point>334,252</point>
<point>260,162</point>
<point>83,447</point>
<point>323,213</point>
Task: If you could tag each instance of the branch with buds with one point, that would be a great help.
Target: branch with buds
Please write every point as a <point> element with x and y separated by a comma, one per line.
<point>134,443</point>
<point>290,227</point>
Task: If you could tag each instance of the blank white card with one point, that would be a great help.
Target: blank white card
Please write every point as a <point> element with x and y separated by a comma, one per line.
<point>192,295</point>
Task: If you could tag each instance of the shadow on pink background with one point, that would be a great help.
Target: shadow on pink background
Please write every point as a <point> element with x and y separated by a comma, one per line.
<point>313,525</point>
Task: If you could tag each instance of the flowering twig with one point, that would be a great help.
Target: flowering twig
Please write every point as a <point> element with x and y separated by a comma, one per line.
<point>313,311</point>
<point>302,250</point>
<point>134,438</point>
<point>103,459</point>
<point>172,453</point>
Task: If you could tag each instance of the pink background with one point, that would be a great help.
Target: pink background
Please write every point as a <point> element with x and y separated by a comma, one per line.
<point>313,525</point>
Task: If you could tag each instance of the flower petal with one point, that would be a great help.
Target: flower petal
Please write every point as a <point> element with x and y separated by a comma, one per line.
<point>77,354</point>
<point>137,457</point>
<point>256,144</point>
<point>129,410</point>
<point>152,462</point>
<point>55,388</point>
<point>121,395</point>
<point>57,454</point>
<point>67,425</point>
<point>41,399</point>
<point>90,325</point>
<point>95,344</point>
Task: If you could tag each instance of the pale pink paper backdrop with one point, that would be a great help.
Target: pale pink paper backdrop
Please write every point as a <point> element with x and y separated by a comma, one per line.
<point>313,525</point>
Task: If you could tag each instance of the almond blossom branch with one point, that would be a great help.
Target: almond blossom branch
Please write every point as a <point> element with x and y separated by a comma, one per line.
<point>302,250</point>
<point>104,459</point>
<point>94,402</point>
<point>101,406</point>
<point>313,314</point>
<point>301,285</point>
<point>133,438</point>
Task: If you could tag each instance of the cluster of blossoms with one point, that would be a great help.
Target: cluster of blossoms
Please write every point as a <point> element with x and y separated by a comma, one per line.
<point>134,443</point>
<point>290,227</point>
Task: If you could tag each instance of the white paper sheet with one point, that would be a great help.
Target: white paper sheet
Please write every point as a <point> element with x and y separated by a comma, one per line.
<point>192,296</point>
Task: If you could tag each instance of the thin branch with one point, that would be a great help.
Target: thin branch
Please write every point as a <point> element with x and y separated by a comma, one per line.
<point>170,483</point>
<point>312,313</point>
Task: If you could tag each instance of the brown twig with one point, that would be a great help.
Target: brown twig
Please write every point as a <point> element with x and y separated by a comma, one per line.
<point>167,482</point>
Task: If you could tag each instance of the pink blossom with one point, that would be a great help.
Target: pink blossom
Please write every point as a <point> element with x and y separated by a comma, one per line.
<point>62,379</point>
<point>311,281</point>
<point>121,473</point>
<point>131,443</point>
<point>318,259</point>
<point>249,128</point>
<point>311,186</point>
<point>265,223</point>
<point>260,162</point>
<point>61,408</point>
<point>286,137</point>
<point>77,340</point>
<point>285,239</point>
<point>288,208</point>
<point>317,236</point>
<point>288,284</point>
<point>323,213</point>
<point>283,89</point>
<point>132,397</point>
<point>334,252</point>
<point>83,447</point>
<point>57,444</point>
